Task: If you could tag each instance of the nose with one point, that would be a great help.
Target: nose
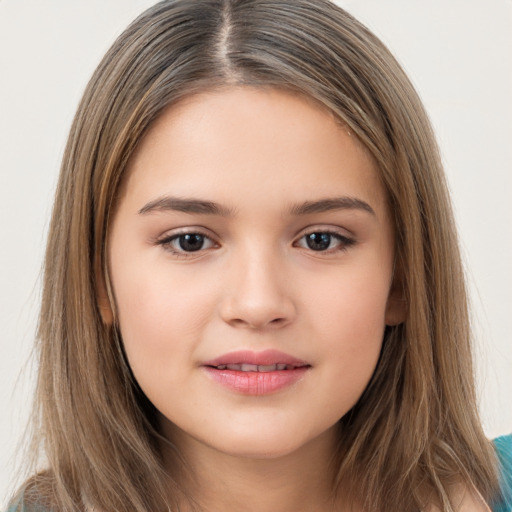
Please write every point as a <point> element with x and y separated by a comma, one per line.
<point>258,294</point>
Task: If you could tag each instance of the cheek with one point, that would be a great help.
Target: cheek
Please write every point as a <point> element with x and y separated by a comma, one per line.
<point>349,322</point>
<point>161,316</point>
<point>349,300</point>
<point>353,334</point>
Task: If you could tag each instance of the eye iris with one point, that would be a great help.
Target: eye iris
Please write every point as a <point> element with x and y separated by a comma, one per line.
<point>318,241</point>
<point>191,242</point>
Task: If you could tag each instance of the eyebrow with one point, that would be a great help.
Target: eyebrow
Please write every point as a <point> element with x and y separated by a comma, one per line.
<point>199,206</point>
<point>184,205</point>
<point>334,203</point>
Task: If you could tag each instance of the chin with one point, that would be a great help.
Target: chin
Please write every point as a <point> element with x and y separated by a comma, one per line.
<point>270,443</point>
<point>260,450</point>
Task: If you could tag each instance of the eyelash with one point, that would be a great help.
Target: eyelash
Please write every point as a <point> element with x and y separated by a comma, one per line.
<point>343,242</point>
<point>167,242</point>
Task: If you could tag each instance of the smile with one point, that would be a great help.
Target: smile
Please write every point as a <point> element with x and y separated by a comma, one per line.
<point>256,367</point>
<point>256,373</point>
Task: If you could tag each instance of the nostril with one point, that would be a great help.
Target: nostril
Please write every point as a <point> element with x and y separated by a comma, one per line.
<point>239,322</point>
<point>256,312</point>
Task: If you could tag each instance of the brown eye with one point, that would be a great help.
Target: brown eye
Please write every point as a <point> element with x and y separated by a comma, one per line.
<point>191,242</point>
<point>318,241</point>
<point>184,243</point>
<point>325,241</point>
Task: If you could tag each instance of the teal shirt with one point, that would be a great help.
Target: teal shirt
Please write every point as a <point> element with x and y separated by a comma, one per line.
<point>503,446</point>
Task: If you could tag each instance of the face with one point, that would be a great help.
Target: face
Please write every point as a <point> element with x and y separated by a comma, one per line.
<point>251,258</point>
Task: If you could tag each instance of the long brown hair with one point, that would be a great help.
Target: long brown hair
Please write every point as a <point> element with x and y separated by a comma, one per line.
<point>415,431</point>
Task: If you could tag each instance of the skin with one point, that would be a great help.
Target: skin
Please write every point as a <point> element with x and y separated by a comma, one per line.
<point>254,285</point>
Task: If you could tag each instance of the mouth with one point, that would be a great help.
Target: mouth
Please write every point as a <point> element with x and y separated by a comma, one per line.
<point>263,368</point>
<point>256,373</point>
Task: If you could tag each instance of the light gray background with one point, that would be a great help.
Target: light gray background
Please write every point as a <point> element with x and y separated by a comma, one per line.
<point>458,54</point>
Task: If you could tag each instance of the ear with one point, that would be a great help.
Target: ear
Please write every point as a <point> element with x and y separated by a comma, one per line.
<point>107,315</point>
<point>396,307</point>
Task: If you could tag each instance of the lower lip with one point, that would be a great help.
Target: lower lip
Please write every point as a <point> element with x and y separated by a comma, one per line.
<point>256,383</point>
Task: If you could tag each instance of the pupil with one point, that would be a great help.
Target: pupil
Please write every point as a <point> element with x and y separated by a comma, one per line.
<point>318,241</point>
<point>191,242</point>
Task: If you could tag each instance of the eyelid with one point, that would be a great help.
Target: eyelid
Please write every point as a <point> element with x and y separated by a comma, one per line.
<point>185,230</point>
<point>326,228</point>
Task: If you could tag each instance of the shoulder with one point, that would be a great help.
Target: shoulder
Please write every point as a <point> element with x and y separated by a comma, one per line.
<point>20,506</point>
<point>463,499</point>
<point>35,494</point>
<point>467,500</point>
<point>473,502</point>
<point>503,446</point>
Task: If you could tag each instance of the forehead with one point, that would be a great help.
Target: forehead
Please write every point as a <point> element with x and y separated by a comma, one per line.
<point>269,142</point>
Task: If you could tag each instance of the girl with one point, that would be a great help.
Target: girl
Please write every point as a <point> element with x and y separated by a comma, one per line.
<point>253,296</point>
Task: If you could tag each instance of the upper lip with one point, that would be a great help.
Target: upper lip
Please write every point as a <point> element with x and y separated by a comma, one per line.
<point>263,358</point>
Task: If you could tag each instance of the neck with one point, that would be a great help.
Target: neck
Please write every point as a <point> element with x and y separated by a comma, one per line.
<point>298,481</point>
